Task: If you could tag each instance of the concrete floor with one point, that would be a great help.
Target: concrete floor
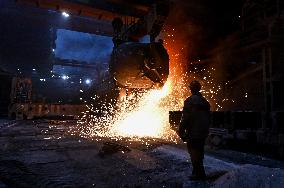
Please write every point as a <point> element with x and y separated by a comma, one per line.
<point>43,154</point>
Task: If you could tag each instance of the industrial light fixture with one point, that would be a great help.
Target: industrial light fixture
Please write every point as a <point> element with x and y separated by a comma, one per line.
<point>88,81</point>
<point>64,77</point>
<point>65,14</point>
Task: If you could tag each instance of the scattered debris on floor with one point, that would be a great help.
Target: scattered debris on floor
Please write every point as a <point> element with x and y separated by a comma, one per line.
<point>111,148</point>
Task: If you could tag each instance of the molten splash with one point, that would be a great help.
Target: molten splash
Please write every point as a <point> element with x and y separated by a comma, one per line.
<point>146,118</point>
<point>149,117</point>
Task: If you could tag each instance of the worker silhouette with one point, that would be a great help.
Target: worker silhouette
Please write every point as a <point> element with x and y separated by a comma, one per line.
<point>194,128</point>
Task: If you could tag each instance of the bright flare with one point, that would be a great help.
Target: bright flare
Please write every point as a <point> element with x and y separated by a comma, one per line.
<point>147,120</point>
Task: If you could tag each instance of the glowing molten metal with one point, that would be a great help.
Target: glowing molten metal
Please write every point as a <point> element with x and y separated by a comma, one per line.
<point>148,119</point>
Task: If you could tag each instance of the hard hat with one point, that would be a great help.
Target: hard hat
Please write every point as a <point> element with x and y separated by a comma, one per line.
<point>195,86</point>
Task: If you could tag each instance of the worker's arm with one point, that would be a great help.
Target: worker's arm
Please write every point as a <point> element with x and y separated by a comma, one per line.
<point>182,131</point>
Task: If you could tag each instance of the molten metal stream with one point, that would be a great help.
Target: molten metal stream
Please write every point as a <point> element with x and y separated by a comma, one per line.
<point>148,119</point>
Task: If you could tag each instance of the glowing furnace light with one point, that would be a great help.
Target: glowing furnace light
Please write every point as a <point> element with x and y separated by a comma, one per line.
<point>65,14</point>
